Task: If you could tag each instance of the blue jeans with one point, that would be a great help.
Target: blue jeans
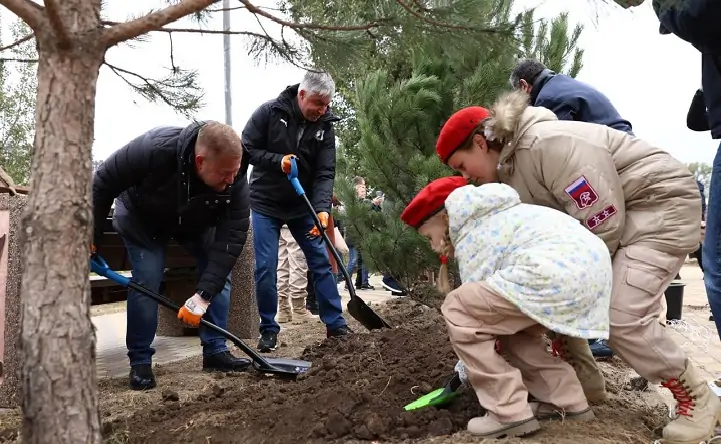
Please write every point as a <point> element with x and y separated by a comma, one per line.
<point>266,233</point>
<point>711,250</point>
<point>147,259</point>
<point>353,263</point>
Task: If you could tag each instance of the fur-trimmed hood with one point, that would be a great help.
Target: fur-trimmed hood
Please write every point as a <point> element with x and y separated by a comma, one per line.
<point>511,116</point>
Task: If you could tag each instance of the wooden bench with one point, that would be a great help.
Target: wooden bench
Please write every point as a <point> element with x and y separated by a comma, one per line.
<point>179,284</point>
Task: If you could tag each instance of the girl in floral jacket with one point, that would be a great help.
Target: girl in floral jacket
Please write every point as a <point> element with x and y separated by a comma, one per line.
<point>524,269</point>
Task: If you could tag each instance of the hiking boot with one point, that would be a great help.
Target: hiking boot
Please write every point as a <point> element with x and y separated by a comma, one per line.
<point>285,313</point>
<point>268,341</point>
<point>142,377</point>
<point>544,410</point>
<point>301,314</point>
<point>365,287</point>
<point>489,426</point>
<point>225,362</point>
<point>577,353</point>
<point>698,409</point>
<point>338,332</point>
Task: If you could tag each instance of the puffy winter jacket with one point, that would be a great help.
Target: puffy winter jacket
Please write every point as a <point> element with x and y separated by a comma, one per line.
<point>620,187</point>
<point>154,176</point>
<point>278,128</point>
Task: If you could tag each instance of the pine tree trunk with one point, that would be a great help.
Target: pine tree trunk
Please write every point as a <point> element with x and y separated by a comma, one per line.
<point>57,344</point>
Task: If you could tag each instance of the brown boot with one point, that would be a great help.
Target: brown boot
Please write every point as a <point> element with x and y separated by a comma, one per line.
<point>301,314</point>
<point>698,409</point>
<point>577,352</point>
<point>543,410</point>
<point>285,313</point>
<point>489,426</point>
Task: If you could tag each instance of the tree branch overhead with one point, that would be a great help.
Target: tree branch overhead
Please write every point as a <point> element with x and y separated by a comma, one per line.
<point>29,11</point>
<point>134,28</point>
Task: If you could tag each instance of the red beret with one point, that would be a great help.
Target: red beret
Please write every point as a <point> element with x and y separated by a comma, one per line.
<point>457,129</point>
<point>430,200</point>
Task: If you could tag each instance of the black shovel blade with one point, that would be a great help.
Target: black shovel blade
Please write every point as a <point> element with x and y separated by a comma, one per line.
<point>283,367</point>
<point>365,315</point>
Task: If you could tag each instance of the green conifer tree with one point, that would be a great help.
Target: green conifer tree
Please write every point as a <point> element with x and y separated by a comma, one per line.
<point>398,111</point>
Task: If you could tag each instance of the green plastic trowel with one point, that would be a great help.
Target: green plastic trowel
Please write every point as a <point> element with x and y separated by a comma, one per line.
<point>439,396</point>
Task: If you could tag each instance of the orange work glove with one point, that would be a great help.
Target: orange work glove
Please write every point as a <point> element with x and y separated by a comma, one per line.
<point>194,309</point>
<point>285,163</point>
<point>315,232</point>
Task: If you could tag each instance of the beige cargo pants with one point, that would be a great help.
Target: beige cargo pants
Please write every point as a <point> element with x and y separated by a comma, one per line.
<point>475,316</point>
<point>292,272</point>
<point>640,278</point>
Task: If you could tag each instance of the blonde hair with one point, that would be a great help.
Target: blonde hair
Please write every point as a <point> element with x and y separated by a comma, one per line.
<point>218,139</point>
<point>444,280</point>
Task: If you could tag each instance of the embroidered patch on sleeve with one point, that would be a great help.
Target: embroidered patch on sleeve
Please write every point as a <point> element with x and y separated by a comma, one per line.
<point>582,193</point>
<point>600,218</point>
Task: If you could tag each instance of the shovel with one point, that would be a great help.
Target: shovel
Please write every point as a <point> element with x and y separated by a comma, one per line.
<point>284,368</point>
<point>356,306</point>
<point>439,396</point>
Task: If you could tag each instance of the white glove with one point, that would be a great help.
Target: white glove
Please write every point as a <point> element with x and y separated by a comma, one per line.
<point>461,370</point>
<point>194,309</point>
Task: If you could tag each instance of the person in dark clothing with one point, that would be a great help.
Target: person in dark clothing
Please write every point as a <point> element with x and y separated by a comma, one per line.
<point>568,98</point>
<point>183,184</point>
<point>297,124</point>
<point>697,22</point>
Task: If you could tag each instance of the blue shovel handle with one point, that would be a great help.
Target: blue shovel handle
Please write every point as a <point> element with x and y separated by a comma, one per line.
<point>293,177</point>
<point>99,266</point>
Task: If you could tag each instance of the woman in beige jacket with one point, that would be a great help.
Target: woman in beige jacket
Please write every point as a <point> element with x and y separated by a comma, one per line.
<point>637,198</point>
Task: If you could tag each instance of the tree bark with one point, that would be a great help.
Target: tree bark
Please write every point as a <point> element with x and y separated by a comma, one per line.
<point>57,340</point>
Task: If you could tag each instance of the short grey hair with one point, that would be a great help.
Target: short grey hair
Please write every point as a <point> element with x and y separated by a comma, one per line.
<point>526,69</point>
<point>320,83</point>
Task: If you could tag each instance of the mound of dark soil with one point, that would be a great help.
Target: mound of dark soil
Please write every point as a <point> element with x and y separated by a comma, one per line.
<point>356,389</point>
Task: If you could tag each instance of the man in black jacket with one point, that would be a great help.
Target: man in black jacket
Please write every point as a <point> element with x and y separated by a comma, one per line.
<point>297,124</point>
<point>179,183</point>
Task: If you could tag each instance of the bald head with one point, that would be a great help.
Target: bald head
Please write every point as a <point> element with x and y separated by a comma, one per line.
<point>218,154</point>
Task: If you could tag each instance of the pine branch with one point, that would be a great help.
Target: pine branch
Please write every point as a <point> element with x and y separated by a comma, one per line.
<point>19,60</point>
<point>195,30</point>
<point>442,24</point>
<point>294,25</point>
<point>29,11</point>
<point>153,21</point>
<point>61,34</point>
<point>17,42</point>
<point>178,90</point>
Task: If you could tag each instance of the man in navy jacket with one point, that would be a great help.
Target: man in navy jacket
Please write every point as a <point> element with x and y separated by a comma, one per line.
<point>568,98</point>
<point>183,184</point>
<point>297,124</point>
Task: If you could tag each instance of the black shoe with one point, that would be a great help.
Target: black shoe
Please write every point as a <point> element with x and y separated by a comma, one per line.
<point>338,332</point>
<point>142,377</point>
<point>225,362</point>
<point>601,350</point>
<point>268,342</point>
<point>311,305</point>
<point>392,285</point>
<point>365,287</point>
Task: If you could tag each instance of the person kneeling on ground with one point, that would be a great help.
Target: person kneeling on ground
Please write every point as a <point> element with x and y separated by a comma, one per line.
<point>637,198</point>
<point>524,269</point>
<point>183,184</point>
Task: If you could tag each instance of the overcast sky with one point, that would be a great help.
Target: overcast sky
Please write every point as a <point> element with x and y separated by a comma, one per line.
<point>650,78</point>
